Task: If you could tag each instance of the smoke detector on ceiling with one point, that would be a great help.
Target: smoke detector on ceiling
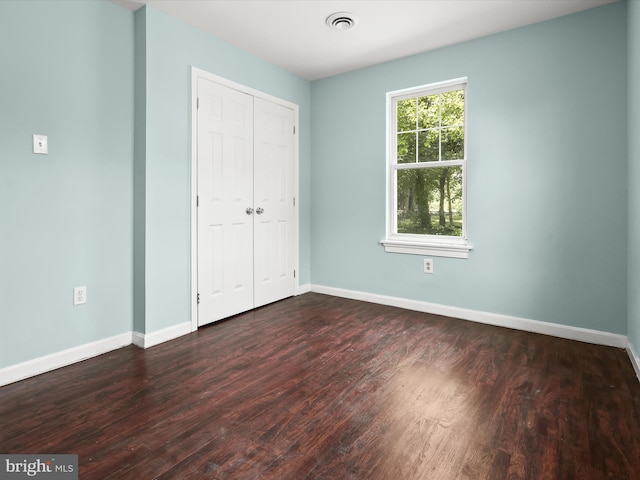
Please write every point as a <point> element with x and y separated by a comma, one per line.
<point>341,21</point>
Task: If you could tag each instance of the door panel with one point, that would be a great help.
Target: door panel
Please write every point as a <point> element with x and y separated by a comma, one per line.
<point>274,181</point>
<point>225,190</point>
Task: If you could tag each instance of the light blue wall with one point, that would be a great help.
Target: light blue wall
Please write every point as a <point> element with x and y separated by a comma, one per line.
<point>172,48</point>
<point>547,199</point>
<point>547,145</point>
<point>112,91</point>
<point>633,327</point>
<point>66,71</point>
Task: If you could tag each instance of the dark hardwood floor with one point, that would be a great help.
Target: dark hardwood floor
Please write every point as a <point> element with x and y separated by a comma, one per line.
<point>317,387</point>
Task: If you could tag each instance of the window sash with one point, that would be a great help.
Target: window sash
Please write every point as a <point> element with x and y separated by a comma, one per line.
<point>413,237</point>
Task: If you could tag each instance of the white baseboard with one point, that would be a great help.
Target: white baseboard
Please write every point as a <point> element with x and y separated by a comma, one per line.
<point>57,360</point>
<point>147,340</point>
<point>536,326</point>
<point>635,360</point>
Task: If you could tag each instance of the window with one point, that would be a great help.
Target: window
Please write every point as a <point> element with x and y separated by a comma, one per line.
<point>427,170</point>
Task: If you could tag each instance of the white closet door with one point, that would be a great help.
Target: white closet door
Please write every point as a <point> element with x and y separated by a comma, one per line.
<point>225,192</point>
<point>274,219</point>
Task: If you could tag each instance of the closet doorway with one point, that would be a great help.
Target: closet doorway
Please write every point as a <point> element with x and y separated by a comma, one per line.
<point>245,184</point>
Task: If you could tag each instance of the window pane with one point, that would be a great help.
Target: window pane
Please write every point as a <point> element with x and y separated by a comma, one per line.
<point>453,108</point>
<point>406,148</point>
<point>428,146</point>
<point>453,143</point>
<point>429,201</point>
<point>406,110</point>
<point>428,112</point>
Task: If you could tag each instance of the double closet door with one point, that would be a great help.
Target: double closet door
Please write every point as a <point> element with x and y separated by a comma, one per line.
<point>246,204</point>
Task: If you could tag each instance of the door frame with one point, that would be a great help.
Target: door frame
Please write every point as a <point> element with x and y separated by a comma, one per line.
<point>197,73</point>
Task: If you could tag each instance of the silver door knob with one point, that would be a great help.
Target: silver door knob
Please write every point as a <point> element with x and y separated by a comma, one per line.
<point>249,211</point>
<point>259,211</point>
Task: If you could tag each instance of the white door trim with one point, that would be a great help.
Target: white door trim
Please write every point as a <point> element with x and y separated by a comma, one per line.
<point>198,73</point>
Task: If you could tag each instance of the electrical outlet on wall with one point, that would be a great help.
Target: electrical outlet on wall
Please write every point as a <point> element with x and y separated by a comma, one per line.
<point>80,295</point>
<point>427,266</point>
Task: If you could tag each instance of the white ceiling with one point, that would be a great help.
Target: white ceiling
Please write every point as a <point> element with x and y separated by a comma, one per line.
<point>293,35</point>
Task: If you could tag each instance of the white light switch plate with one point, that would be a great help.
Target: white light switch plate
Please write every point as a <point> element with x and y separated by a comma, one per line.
<point>40,144</point>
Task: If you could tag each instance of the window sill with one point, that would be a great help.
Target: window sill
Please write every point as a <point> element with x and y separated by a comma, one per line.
<point>459,249</point>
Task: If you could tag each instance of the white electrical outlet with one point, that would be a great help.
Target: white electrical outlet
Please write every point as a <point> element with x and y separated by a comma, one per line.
<point>427,265</point>
<point>80,295</point>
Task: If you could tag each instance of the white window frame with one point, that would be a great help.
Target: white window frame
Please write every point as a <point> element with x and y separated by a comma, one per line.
<point>436,245</point>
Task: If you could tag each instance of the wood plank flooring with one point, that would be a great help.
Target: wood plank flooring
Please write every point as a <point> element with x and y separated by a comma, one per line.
<point>317,387</point>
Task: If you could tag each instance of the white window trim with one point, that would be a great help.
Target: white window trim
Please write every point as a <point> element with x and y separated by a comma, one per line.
<point>442,246</point>
<point>444,249</point>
